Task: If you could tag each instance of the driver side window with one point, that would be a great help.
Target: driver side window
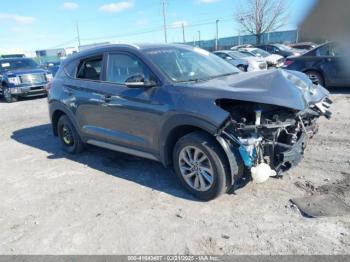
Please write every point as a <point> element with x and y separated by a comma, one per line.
<point>122,67</point>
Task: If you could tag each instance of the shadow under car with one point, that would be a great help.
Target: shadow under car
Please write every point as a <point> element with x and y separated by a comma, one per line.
<point>144,172</point>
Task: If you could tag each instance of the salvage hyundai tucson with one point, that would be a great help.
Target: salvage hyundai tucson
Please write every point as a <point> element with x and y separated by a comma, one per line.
<point>22,77</point>
<point>186,108</point>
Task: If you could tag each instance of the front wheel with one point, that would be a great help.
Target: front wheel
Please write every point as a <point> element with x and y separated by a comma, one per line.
<point>9,98</point>
<point>315,77</point>
<point>201,165</point>
<point>242,68</point>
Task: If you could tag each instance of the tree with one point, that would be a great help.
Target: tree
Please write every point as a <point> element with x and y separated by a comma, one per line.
<point>260,16</point>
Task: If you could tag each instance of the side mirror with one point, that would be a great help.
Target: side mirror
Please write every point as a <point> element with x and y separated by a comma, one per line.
<point>138,81</point>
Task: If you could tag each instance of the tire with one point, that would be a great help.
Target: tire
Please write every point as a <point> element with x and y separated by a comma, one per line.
<point>207,147</point>
<point>242,68</point>
<point>315,77</point>
<point>9,98</point>
<point>69,137</point>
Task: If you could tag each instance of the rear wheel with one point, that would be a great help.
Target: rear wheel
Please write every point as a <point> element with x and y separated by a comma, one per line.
<point>315,77</point>
<point>69,137</point>
<point>201,165</point>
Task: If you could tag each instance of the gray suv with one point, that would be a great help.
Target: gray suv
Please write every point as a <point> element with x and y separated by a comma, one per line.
<point>186,108</point>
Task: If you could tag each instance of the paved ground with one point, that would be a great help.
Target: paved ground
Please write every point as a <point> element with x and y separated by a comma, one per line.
<point>109,203</point>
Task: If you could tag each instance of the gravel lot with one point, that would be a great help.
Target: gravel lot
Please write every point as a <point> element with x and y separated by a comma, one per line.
<point>103,202</point>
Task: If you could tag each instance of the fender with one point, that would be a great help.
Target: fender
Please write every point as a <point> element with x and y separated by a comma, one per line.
<point>178,121</point>
<point>55,105</point>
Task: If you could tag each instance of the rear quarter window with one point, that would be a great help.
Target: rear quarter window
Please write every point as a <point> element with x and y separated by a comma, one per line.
<point>71,68</point>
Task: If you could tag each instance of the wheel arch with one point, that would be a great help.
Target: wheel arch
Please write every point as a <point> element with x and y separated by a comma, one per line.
<point>318,71</point>
<point>177,127</point>
<point>56,111</point>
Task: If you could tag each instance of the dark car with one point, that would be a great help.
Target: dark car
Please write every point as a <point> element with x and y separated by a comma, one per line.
<point>326,65</point>
<point>51,66</point>
<point>280,49</point>
<point>233,59</point>
<point>186,108</point>
<point>303,45</point>
<point>22,77</point>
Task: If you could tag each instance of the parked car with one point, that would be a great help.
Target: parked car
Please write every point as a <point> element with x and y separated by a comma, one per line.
<point>186,108</point>
<point>240,63</point>
<point>22,77</point>
<point>281,50</point>
<point>254,63</point>
<point>51,66</point>
<point>272,60</point>
<point>303,45</point>
<point>326,65</point>
<point>241,46</point>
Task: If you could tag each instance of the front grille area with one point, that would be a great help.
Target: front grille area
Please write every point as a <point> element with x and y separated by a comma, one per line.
<point>36,88</point>
<point>32,79</point>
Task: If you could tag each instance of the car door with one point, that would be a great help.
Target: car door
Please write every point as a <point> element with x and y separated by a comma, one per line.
<point>130,116</point>
<point>333,64</point>
<point>84,93</point>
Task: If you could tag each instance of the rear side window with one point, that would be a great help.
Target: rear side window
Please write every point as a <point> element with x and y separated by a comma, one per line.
<point>331,49</point>
<point>70,68</point>
<point>90,68</point>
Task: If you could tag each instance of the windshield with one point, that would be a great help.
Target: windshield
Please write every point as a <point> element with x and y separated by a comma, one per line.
<point>283,47</point>
<point>184,65</point>
<point>237,54</point>
<point>260,52</point>
<point>15,64</point>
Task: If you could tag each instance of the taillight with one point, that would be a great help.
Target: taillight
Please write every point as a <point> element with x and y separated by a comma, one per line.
<point>48,86</point>
<point>288,62</point>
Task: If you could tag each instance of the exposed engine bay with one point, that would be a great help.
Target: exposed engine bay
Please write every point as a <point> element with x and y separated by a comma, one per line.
<point>270,139</point>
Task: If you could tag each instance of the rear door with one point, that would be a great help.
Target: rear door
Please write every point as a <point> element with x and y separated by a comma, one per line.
<point>85,94</point>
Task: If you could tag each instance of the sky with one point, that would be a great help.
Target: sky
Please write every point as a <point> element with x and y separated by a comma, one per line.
<point>44,24</point>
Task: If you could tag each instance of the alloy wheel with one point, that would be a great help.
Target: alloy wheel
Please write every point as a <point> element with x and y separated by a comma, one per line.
<point>195,168</point>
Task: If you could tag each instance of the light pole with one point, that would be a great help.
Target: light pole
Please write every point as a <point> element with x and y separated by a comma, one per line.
<point>164,21</point>
<point>239,31</point>
<point>183,33</point>
<point>78,34</point>
<point>217,35</point>
<point>199,38</point>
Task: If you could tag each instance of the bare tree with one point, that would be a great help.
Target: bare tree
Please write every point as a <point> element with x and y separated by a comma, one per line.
<point>260,16</point>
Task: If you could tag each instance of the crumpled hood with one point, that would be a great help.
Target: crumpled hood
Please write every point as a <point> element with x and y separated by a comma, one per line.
<point>284,88</point>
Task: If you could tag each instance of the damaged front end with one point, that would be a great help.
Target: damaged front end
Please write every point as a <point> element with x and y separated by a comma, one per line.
<point>269,139</point>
